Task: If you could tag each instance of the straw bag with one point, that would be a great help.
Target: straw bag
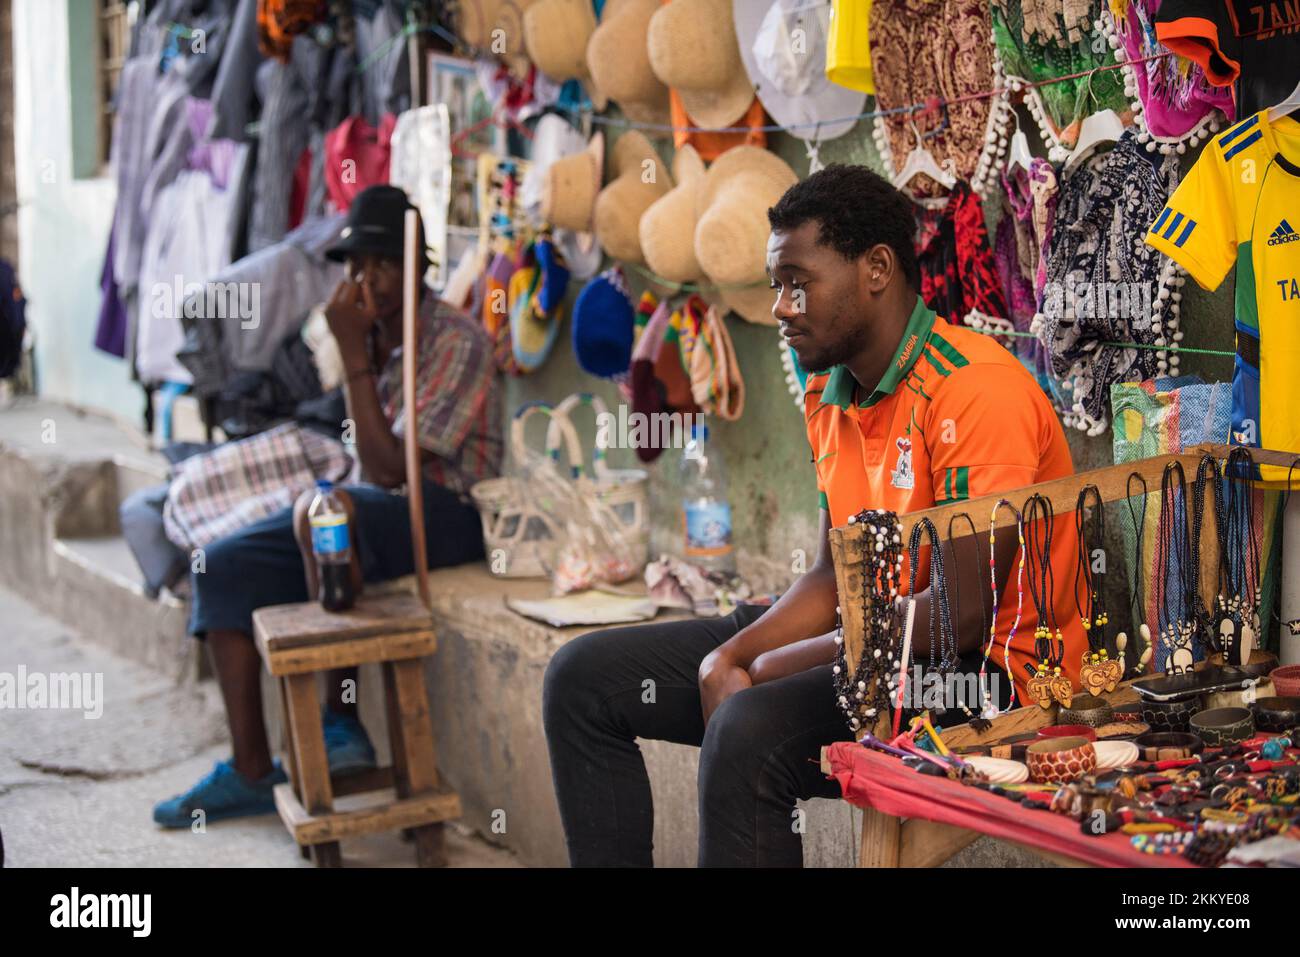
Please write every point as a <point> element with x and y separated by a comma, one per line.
<point>518,537</point>
<point>622,491</point>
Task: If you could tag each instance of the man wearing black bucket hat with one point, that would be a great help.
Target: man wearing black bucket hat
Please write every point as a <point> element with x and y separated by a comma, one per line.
<point>458,423</point>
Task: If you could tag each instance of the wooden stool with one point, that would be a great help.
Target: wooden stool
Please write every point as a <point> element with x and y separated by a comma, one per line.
<point>297,641</point>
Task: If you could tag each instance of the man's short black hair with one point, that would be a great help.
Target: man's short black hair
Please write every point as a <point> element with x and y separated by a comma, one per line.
<point>855,208</point>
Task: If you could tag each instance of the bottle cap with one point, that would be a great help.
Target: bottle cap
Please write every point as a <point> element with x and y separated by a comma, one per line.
<point>699,431</point>
<point>325,485</point>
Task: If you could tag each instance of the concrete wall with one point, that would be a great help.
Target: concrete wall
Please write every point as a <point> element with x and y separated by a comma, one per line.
<point>64,220</point>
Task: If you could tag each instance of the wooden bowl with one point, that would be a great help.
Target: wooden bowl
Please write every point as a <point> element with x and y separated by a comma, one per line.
<point>1165,716</point>
<point>1220,726</point>
<point>1276,715</point>
<point>1068,731</point>
<point>1286,681</point>
<point>1168,746</point>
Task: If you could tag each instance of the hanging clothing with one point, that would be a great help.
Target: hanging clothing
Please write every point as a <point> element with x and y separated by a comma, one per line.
<point>111,329</point>
<point>1249,47</point>
<point>421,165</point>
<point>1102,287</point>
<point>1175,98</point>
<point>356,156</point>
<point>1220,217</point>
<point>289,277</point>
<point>921,49</point>
<point>958,272</point>
<point>1044,39</point>
<point>279,21</point>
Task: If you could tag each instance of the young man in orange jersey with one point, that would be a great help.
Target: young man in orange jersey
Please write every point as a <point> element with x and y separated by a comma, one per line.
<point>904,411</point>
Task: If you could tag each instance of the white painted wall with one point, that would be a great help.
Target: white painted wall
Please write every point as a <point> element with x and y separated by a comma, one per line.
<point>63,222</point>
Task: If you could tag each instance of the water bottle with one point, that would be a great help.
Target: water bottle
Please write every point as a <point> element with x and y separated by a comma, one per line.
<point>331,547</point>
<point>706,513</point>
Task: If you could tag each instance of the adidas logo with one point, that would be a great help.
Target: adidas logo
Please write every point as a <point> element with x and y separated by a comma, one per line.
<point>1283,234</point>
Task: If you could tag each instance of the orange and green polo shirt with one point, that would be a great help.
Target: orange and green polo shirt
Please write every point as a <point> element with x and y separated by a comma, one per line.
<point>956,416</point>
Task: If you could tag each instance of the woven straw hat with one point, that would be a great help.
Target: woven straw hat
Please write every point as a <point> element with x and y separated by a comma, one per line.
<point>640,179</point>
<point>731,234</point>
<point>510,21</point>
<point>571,184</point>
<point>692,46</point>
<point>619,63</point>
<point>476,19</point>
<point>668,226</point>
<point>556,34</point>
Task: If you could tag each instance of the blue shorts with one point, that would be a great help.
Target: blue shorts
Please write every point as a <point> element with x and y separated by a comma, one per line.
<point>260,565</point>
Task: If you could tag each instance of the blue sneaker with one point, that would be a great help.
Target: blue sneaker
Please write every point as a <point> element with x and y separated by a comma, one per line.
<point>347,746</point>
<point>224,793</point>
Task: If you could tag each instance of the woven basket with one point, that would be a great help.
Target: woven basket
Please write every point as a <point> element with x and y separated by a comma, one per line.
<point>623,491</point>
<point>518,538</point>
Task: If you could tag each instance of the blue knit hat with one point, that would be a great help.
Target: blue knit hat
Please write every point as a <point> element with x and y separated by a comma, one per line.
<point>603,321</point>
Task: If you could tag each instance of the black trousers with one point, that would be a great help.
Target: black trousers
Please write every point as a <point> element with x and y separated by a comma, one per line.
<point>759,755</point>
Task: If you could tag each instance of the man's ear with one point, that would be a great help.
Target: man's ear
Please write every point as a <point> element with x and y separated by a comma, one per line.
<point>878,265</point>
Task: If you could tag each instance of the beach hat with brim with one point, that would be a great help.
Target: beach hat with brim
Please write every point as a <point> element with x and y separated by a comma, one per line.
<point>556,34</point>
<point>693,49</point>
<point>667,229</point>
<point>475,20</point>
<point>510,23</point>
<point>619,63</point>
<point>570,186</point>
<point>640,178</point>
<point>732,229</point>
<point>783,46</point>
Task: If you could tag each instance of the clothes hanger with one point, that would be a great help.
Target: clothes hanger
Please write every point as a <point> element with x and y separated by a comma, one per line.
<point>1097,128</point>
<point>921,160</point>
<point>1286,107</point>
<point>1103,126</point>
<point>1018,153</point>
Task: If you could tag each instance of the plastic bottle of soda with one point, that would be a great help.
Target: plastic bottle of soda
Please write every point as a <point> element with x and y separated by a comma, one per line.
<point>333,550</point>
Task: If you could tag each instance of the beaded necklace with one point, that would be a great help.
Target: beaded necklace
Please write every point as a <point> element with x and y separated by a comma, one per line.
<point>865,694</point>
<point>956,599</point>
<point>1177,629</point>
<point>1207,474</point>
<point>989,709</point>
<point>1138,605</point>
<point>1237,618</point>
<point>1098,672</point>
<point>943,642</point>
<point>1047,683</point>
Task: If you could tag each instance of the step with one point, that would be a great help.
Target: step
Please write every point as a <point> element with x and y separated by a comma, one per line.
<point>98,590</point>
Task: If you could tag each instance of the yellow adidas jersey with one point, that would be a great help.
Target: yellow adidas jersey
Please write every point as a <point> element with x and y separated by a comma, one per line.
<point>1240,204</point>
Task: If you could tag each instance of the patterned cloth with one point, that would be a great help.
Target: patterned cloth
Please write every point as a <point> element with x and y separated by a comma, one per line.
<point>234,485</point>
<point>458,401</point>
<point>1101,285</point>
<point>1175,96</point>
<point>958,271</point>
<point>921,49</point>
<point>1042,39</point>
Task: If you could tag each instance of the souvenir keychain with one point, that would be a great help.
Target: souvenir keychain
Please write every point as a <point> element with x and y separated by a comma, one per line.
<point>1048,682</point>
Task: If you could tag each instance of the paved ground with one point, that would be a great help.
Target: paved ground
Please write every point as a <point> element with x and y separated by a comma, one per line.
<point>78,792</point>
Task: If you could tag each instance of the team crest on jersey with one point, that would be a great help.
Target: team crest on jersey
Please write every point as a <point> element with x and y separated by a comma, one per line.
<point>902,476</point>
<point>1283,234</point>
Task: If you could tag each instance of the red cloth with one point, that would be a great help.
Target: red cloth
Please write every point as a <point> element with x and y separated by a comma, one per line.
<point>301,186</point>
<point>356,156</point>
<point>870,779</point>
